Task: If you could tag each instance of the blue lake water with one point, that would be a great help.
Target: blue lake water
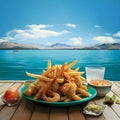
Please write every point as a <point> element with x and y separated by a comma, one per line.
<point>13,65</point>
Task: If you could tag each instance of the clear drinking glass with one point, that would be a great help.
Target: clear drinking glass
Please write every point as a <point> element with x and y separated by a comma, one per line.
<point>94,73</point>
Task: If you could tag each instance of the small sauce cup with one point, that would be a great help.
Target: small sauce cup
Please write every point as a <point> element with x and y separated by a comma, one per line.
<point>102,86</point>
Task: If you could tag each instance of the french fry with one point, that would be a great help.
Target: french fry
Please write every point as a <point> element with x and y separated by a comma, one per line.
<point>78,81</point>
<point>82,78</point>
<point>49,64</point>
<point>54,72</point>
<point>72,64</point>
<point>77,69</point>
<point>63,98</point>
<point>65,67</point>
<point>66,75</point>
<point>50,75</point>
<point>31,90</point>
<point>84,87</point>
<point>39,94</point>
<point>60,80</point>
<point>58,71</point>
<point>72,79</point>
<point>38,76</point>
<point>83,92</point>
<point>67,100</point>
<point>48,71</point>
<point>43,77</point>
<point>75,73</point>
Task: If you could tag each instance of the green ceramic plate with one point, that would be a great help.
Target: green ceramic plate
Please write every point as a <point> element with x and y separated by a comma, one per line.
<point>91,90</point>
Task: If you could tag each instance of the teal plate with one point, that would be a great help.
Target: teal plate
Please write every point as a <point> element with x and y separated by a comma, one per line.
<point>91,91</point>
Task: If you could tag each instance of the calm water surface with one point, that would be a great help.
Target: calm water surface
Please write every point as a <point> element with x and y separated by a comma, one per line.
<point>13,65</point>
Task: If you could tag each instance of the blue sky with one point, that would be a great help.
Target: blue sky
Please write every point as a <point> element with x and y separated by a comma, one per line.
<point>74,22</point>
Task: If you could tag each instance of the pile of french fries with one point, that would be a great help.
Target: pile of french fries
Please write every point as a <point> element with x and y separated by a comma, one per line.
<point>54,80</point>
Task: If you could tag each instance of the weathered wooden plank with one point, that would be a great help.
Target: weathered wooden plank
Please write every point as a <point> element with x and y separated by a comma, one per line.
<point>1,106</point>
<point>108,113</point>
<point>4,87</point>
<point>117,84</point>
<point>75,113</point>
<point>58,114</point>
<point>7,112</point>
<point>16,85</point>
<point>12,81</point>
<point>116,89</point>
<point>115,107</point>
<point>40,113</point>
<point>1,84</point>
<point>24,111</point>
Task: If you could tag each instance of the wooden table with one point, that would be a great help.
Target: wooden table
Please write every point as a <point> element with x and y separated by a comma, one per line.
<point>27,110</point>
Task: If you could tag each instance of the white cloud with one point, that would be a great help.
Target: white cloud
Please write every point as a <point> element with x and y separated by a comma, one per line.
<point>3,40</point>
<point>97,26</point>
<point>71,25</point>
<point>33,32</point>
<point>104,39</point>
<point>76,41</point>
<point>117,34</point>
<point>38,26</point>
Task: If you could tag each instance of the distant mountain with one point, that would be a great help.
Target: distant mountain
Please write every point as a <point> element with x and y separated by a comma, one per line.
<point>60,45</point>
<point>11,45</point>
<point>106,46</point>
<point>110,46</point>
